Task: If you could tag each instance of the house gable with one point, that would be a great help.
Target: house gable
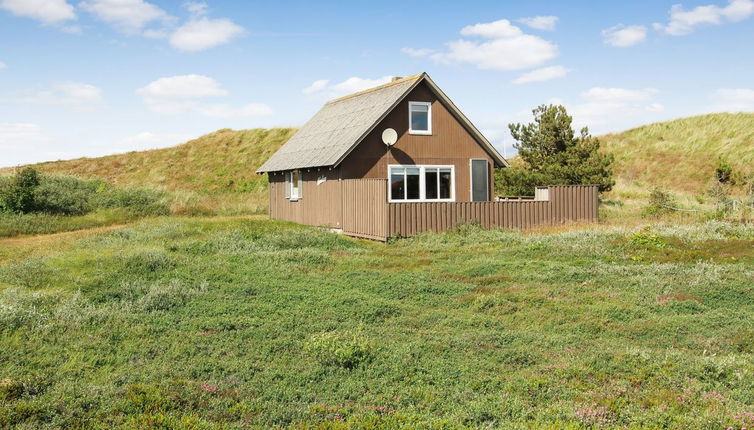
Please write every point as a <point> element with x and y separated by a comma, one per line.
<point>450,144</point>
<point>329,137</point>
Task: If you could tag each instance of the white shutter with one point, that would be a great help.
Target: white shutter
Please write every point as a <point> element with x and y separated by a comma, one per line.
<point>300,185</point>
<point>287,185</point>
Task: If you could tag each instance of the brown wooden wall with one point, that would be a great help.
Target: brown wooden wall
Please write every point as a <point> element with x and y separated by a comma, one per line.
<point>449,144</point>
<point>359,207</point>
<point>320,204</point>
<point>364,208</point>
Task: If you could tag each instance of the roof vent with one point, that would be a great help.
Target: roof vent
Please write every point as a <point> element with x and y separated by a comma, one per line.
<point>396,78</point>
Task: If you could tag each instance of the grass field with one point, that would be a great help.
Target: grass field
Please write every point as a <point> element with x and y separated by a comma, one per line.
<point>246,323</point>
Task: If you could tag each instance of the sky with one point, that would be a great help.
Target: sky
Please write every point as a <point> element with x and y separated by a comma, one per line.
<point>96,77</point>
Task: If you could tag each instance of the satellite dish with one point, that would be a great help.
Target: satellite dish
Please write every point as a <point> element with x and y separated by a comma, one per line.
<point>389,137</point>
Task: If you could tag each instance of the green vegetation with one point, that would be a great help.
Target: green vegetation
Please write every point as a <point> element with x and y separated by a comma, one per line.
<point>214,173</point>
<point>683,155</point>
<point>550,153</point>
<point>246,323</point>
<point>31,203</point>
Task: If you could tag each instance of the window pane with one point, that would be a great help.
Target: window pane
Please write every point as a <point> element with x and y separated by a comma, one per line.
<point>419,117</point>
<point>294,183</point>
<point>430,183</point>
<point>445,183</point>
<point>479,178</point>
<point>412,183</point>
<point>397,184</point>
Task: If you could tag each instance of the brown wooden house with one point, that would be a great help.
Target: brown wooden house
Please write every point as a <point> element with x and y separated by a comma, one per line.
<point>435,171</point>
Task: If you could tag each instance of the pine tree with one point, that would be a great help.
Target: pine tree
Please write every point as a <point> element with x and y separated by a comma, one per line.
<point>552,154</point>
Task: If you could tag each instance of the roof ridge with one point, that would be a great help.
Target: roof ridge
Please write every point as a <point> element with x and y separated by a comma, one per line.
<point>379,87</point>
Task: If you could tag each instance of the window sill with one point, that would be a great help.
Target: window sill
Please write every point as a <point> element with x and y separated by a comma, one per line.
<point>420,133</point>
<point>293,200</point>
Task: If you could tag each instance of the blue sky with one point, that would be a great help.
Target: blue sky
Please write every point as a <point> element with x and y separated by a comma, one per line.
<point>94,77</point>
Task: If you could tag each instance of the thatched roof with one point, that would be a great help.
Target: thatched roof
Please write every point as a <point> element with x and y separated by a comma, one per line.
<point>330,135</point>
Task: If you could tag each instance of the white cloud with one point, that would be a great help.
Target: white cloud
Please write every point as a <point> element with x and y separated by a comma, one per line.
<point>623,36</point>
<point>2,65</point>
<point>546,23</point>
<point>22,143</point>
<point>316,86</point>
<point>683,21</point>
<point>187,94</point>
<point>610,109</point>
<point>492,30</point>
<point>203,33</point>
<point>353,84</point>
<point>543,74</point>
<point>196,8</point>
<point>18,135</point>
<point>46,11</point>
<point>421,52</point>
<point>183,87</point>
<point>127,16</point>
<point>64,93</point>
<point>504,47</point>
<point>733,100</point>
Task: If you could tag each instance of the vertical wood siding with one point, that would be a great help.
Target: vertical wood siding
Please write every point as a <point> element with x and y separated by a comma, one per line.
<point>449,144</point>
<point>360,208</point>
<point>319,205</point>
<point>566,204</point>
<point>365,208</point>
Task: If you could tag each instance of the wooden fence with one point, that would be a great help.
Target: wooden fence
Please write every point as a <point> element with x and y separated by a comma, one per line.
<point>366,212</point>
<point>565,204</point>
<point>359,207</point>
<point>365,208</point>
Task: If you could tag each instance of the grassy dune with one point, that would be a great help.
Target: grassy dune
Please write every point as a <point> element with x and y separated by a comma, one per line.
<point>681,155</point>
<point>192,323</point>
<point>214,172</point>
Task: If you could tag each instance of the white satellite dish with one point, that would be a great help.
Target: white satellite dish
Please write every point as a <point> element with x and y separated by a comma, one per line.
<point>389,137</point>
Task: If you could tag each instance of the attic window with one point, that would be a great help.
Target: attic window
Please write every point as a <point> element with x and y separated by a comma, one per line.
<point>419,118</point>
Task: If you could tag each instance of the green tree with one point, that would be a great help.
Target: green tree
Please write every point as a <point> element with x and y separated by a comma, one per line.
<point>552,154</point>
<point>17,195</point>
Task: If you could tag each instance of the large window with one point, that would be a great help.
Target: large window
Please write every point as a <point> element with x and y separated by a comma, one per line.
<point>419,118</point>
<point>421,183</point>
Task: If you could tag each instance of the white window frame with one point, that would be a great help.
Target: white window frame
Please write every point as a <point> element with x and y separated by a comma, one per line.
<point>294,197</point>
<point>426,132</point>
<point>422,185</point>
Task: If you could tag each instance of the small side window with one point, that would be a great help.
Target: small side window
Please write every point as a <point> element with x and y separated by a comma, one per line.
<point>419,118</point>
<point>295,184</point>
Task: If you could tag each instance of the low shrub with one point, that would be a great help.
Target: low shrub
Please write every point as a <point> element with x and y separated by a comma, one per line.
<point>17,193</point>
<point>65,195</point>
<point>346,349</point>
<point>31,192</point>
<point>162,297</point>
<point>139,201</point>
<point>660,202</point>
<point>645,239</point>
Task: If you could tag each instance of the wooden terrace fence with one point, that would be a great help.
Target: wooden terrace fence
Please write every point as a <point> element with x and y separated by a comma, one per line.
<point>366,212</point>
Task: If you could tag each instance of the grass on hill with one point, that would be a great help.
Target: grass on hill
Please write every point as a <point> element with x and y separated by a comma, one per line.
<point>214,173</point>
<point>681,155</point>
<point>192,323</point>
